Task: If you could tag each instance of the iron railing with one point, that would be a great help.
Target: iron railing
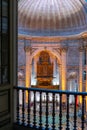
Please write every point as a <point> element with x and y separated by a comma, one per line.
<point>50,109</point>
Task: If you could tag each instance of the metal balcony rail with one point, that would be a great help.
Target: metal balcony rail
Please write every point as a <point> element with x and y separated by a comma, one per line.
<point>51,109</point>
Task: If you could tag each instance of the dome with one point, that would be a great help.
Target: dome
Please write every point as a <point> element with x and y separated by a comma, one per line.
<point>50,17</point>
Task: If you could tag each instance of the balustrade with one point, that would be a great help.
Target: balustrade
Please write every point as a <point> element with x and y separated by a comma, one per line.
<point>49,110</point>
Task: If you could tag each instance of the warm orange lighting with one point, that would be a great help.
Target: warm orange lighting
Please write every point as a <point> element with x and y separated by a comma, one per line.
<point>27,86</point>
<point>86,103</point>
<point>63,78</point>
<point>80,74</point>
<point>63,69</point>
<point>26,97</point>
<point>80,100</point>
<point>28,82</point>
<point>86,85</point>
<point>63,84</point>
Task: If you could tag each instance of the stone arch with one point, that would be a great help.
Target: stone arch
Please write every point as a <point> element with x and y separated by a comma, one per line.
<point>56,55</point>
<point>50,50</point>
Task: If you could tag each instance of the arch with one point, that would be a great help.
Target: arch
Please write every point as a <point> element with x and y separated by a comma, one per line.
<point>55,55</point>
<point>50,50</point>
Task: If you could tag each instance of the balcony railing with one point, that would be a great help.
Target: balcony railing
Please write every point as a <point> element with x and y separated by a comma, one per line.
<point>50,109</point>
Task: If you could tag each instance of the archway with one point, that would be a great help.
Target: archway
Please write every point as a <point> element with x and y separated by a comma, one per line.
<point>52,67</point>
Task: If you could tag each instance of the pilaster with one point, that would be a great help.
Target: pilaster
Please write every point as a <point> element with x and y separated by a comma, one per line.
<point>80,70</point>
<point>86,76</point>
<point>63,68</point>
<point>35,66</point>
<point>28,66</point>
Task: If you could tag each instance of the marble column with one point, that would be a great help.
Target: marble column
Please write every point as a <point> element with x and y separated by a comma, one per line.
<point>80,70</point>
<point>63,68</point>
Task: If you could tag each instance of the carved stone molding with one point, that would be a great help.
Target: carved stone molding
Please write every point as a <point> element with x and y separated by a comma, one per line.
<point>33,50</point>
<point>83,42</point>
<point>85,47</point>
<point>28,49</point>
<point>81,48</point>
<point>57,50</point>
<point>64,49</point>
<point>75,67</point>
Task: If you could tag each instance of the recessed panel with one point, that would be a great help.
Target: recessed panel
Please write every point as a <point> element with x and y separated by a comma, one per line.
<point>4,102</point>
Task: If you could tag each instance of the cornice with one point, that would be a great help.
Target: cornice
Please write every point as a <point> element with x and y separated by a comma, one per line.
<point>52,38</point>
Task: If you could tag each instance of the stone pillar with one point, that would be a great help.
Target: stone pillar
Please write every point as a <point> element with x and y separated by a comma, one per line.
<point>63,68</point>
<point>35,65</point>
<point>35,68</point>
<point>60,81</point>
<point>54,71</point>
<point>86,78</point>
<point>54,66</point>
<point>28,67</point>
<point>57,72</point>
<point>80,70</point>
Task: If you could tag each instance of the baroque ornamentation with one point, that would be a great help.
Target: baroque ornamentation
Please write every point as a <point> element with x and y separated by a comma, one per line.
<point>28,49</point>
<point>64,49</point>
<point>57,50</point>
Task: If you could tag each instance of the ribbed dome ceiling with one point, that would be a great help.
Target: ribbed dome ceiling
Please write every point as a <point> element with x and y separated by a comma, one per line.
<point>51,14</point>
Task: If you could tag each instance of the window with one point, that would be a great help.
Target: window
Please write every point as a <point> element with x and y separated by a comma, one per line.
<point>84,75</point>
<point>85,57</point>
<point>4,42</point>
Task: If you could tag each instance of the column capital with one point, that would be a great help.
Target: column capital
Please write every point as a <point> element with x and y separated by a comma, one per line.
<point>85,47</point>
<point>28,49</point>
<point>64,49</point>
<point>81,48</point>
